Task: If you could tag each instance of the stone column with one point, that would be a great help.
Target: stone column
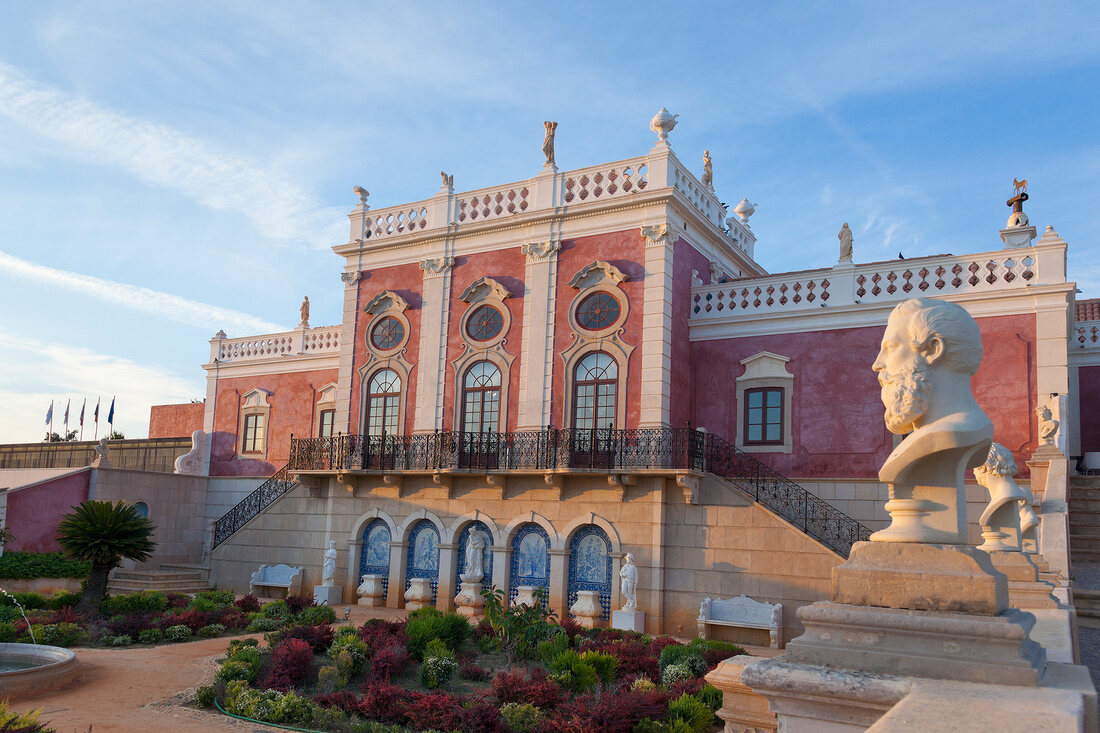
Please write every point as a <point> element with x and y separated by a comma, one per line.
<point>559,584</point>
<point>432,361</point>
<point>355,550</point>
<point>346,365</point>
<point>395,596</point>
<point>537,347</point>
<point>445,591</point>
<point>656,384</point>
<point>502,566</point>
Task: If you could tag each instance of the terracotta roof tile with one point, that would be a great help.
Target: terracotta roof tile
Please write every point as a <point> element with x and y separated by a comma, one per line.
<point>1088,310</point>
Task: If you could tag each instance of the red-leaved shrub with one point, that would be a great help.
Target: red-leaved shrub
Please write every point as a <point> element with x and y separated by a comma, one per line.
<point>691,686</point>
<point>178,600</point>
<point>297,603</point>
<point>471,671</point>
<point>616,712</point>
<point>344,700</point>
<point>319,638</point>
<point>387,662</point>
<point>434,711</point>
<point>248,603</point>
<point>480,715</point>
<point>291,661</point>
<point>384,702</point>
<point>133,623</point>
<point>377,633</point>
<point>634,655</point>
<point>509,686</point>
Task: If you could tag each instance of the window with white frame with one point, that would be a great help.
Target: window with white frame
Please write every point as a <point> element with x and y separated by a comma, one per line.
<point>254,418</point>
<point>765,393</point>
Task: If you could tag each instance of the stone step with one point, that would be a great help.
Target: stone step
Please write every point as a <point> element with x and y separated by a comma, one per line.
<point>156,575</point>
<point>1084,492</point>
<point>164,585</point>
<point>205,569</point>
<point>1084,542</point>
<point>1084,506</point>
<point>1084,482</point>
<point>124,587</point>
<point>1084,555</point>
<point>1084,530</point>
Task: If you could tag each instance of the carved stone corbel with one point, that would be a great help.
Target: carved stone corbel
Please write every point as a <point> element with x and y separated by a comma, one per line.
<point>556,482</point>
<point>497,481</point>
<point>690,486</point>
<point>620,481</point>
<point>313,484</point>
<point>444,481</point>
<point>346,480</point>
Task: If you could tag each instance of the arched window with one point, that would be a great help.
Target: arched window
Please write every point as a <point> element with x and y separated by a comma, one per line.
<point>383,393</point>
<point>423,558</point>
<point>595,383</point>
<point>481,398</point>
<point>530,560</point>
<point>590,566</point>
<point>374,557</point>
<point>142,509</point>
<point>469,532</point>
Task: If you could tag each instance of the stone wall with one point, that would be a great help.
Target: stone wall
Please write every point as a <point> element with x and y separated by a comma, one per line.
<point>720,547</point>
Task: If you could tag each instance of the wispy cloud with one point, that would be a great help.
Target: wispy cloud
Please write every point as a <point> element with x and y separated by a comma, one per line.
<point>61,372</point>
<point>193,313</point>
<point>276,206</point>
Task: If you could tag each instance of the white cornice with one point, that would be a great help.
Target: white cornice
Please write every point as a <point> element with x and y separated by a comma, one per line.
<point>278,365</point>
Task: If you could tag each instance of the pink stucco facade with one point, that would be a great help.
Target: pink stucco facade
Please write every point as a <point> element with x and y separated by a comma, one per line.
<point>175,421</point>
<point>33,513</point>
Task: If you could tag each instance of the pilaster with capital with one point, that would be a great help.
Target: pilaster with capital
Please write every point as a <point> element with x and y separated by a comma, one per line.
<point>432,359</point>
<point>346,364</point>
<point>656,381</point>
<point>536,363</point>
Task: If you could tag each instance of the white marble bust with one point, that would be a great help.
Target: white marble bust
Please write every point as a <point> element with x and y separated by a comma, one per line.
<point>929,353</point>
<point>1001,519</point>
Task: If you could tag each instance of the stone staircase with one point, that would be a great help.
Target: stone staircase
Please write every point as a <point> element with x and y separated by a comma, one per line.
<point>169,578</point>
<point>1084,519</point>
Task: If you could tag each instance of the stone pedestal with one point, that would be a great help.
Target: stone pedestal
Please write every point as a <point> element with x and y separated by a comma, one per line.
<point>372,591</point>
<point>742,709</point>
<point>587,610</point>
<point>628,619</point>
<point>419,594</point>
<point>1025,590</point>
<point>525,594</point>
<point>469,602</point>
<point>328,595</point>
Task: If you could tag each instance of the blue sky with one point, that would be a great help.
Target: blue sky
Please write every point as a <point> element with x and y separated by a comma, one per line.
<point>171,169</point>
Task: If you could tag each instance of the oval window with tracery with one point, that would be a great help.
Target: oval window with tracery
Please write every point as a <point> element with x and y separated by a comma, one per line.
<point>387,333</point>
<point>484,323</point>
<point>598,311</point>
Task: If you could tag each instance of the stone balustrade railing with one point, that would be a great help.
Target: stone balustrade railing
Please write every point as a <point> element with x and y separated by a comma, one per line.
<point>881,282</point>
<point>551,190</point>
<point>1086,335</point>
<point>299,342</point>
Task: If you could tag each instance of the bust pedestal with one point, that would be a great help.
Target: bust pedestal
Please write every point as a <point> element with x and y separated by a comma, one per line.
<point>328,595</point>
<point>628,619</point>
<point>419,594</point>
<point>1025,590</point>
<point>372,591</point>
<point>525,594</point>
<point>469,601</point>
<point>587,610</point>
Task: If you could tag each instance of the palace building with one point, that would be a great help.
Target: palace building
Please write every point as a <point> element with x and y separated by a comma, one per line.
<point>589,363</point>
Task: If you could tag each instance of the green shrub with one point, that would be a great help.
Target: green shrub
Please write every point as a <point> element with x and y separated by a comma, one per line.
<point>10,613</point>
<point>41,565</point>
<point>120,640</point>
<point>643,684</point>
<point>725,649</point>
<point>692,711</point>
<point>552,647</point>
<point>211,630</point>
<point>606,666</point>
<point>235,645</point>
<point>329,679</point>
<point>61,599</point>
<point>177,633</point>
<point>234,670</point>
<point>317,616</point>
<point>263,623</point>
<point>275,707</point>
<point>521,717</point>
<point>27,600</point>
<point>145,600</point>
<point>691,657</point>
<point>353,645</point>
<point>429,623</point>
<point>439,664</point>
<point>711,697</point>
<point>220,597</point>
<point>7,631</point>
<point>150,636</point>
<point>204,696</point>
<point>571,672</point>
<point>61,634</point>
<point>675,673</point>
<point>276,609</point>
<point>203,604</point>
<point>21,722</point>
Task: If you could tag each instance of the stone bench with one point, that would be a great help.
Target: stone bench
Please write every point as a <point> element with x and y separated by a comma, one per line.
<point>275,576</point>
<point>742,612</point>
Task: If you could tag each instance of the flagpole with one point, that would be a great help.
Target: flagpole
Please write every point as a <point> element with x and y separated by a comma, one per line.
<point>82,406</point>
<point>95,435</point>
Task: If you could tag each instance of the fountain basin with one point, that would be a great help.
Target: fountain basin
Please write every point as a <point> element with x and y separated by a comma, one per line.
<point>31,669</point>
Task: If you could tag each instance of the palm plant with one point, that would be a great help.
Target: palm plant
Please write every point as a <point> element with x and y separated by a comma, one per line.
<point>103,533</point>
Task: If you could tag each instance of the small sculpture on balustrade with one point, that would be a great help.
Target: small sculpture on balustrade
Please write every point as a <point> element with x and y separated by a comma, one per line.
<point>363,194</point>
<point>305,312</point>
<point>328,566</point>
<point>708,171</point>
<point>930,352</point>
<point>1001,526</point>
<point>101,451</point>
<point>845,237</point>
<point>448,180</point>
<point>1048,426</point>
<point>662,124</point>
<point>548,143</point>
<point>628,576</point>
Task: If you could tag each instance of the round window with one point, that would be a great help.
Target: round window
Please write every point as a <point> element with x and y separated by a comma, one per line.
<point>484,323</point>
<point>598,311</point>
<point>387,333</point>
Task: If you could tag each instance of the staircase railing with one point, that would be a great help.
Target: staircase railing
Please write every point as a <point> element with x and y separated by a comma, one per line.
<point>252,505</point>
<point>599,449</point>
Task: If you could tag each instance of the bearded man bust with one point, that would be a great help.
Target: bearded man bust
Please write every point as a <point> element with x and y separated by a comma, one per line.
<point>929,353</point>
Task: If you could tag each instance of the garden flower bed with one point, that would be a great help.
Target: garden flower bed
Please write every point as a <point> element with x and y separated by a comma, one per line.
<point>521,671</point>
<point>150,617</point>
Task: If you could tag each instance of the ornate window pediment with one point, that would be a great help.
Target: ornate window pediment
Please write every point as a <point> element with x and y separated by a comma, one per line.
<point>483,288</point>
<point>256,398</point>
<point>595,273</point>
<point>385,301</point>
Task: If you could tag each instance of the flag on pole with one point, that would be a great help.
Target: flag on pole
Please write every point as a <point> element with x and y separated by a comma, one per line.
<point>49,413</point>
<point>111,419</point>
<point>82,406</point>
<point>67,404</point>
<point>95,416</point>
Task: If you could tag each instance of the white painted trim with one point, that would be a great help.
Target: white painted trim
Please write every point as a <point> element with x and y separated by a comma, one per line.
<point>537,336</point>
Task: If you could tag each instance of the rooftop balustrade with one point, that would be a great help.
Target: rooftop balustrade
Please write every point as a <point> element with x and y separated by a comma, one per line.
<point>299,342</point>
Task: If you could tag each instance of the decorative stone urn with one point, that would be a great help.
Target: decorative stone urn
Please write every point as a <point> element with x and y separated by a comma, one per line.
<point>587,609</point>
<point>662,124</point>
<point>525,594</point>
<point>469,601</point>
<point>419,594</point>
<point>371,591</point>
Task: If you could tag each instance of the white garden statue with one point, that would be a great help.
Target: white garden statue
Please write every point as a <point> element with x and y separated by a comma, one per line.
<point>628,576</point>
<point>328,566</point>
<point>474,570</point>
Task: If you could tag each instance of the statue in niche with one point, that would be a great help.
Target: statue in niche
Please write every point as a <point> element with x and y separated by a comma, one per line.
<point>475,547</point>
<point>305,312</point>
<point>1048,426</point>
<point>548,143</point>
<point>628,585</point>
<point>1001,526</point>
<point>930,352</point>
<point>708,171</point>
<point>328,566</point>
<point>845,237</point>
